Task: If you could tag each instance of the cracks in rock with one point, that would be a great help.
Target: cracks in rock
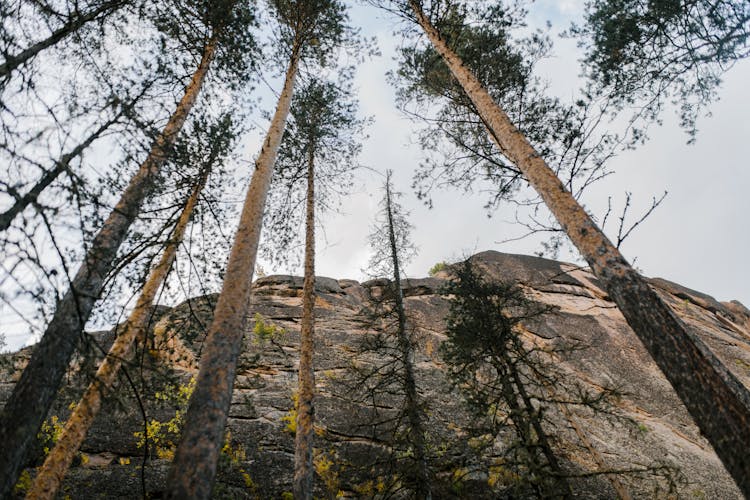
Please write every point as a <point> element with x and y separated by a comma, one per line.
<point>343,437</point>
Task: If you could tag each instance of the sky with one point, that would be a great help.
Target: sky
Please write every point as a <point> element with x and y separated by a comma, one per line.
<point>698,237</point>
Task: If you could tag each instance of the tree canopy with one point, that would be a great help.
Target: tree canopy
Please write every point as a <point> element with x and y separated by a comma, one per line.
<point>107,107</point>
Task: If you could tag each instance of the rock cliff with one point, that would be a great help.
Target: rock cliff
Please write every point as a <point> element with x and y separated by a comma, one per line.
<point>653,426</point>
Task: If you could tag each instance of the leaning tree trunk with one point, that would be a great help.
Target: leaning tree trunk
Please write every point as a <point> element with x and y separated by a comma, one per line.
<point>12,62</point>
<point>50,475</point>
<point>303,439</point>
<point>194,467</point>
<point>718,402</point>
<point>50,175</point>
<point>423,490</point>
<point>33,394</point>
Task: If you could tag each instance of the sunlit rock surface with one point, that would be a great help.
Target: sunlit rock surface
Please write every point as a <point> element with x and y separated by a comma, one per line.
<point>259,462</point>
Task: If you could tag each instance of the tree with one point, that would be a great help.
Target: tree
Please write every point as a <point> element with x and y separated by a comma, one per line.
<point>320,146</point>
<point>412,405</point>
<point>494,369</point>
<point>35,391</point>
<point>72,20</point>
<point>61,166</point>
<point>716,399</point>
<point>216,143</point>
<point>651,52</point>
<point>309,32</point>
<point>512,382</point>
<point>459,153</point>
<point>303,439</point>
<point>394,344</point>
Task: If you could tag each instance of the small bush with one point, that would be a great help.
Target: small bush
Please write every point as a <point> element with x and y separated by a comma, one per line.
<point>50,432</point>
<point>266,332</point>
<point>440,266</point>
<point>164,435</point>
<point>291,417</point>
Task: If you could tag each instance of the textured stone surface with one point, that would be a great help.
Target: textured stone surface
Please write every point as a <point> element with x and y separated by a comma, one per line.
<point>610,355</point>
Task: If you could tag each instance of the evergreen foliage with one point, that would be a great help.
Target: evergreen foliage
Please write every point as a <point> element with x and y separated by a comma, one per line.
<point>505,382</point>
<point>649,53</point>
<point>99,156</point>
<point>325,126</point>
<point>391,381</point>
<point>518,394</point>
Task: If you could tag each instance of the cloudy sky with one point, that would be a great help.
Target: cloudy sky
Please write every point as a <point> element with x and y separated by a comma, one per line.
<point>698,237</point>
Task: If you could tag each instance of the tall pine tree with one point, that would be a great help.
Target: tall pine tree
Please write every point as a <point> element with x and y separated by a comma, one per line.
<point>718,402</point>
<point>32,396</point>
<point>310,32</point>
<point>215,143</point>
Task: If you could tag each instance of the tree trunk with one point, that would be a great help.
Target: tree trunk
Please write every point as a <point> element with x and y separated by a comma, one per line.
<point>194,467</point>
<point>559,481</point>
<point>50,475</point>
<point>13,62</point>
<point>416,428</point>
<point>33,394</point>
<point>521,419</point>
<point>718,402</point>
<point>303,439</point>
<point>49,177</point>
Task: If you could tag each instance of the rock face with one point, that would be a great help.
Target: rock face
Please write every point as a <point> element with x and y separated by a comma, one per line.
<point>258,459</point>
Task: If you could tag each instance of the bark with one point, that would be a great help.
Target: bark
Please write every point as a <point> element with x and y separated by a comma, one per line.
<point>194,467</point>
<point>414,414</point>
<point>561,485</point>
<point>49,177</point>
<point>303,439</point>
<point>521,419</point>
<point>12,62</point>
<point>717,401</point>
<point>50,475</point>
<point>33,394</point>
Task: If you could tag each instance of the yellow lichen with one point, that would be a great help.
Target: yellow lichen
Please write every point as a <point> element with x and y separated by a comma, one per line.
<point>235,454</point>
<point>502,476</point>
<point>263,332</point>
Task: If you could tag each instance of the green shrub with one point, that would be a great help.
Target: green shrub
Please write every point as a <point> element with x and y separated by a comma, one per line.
<point>440,266</point>
<point>266,332</point>
<point>163,436</point>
